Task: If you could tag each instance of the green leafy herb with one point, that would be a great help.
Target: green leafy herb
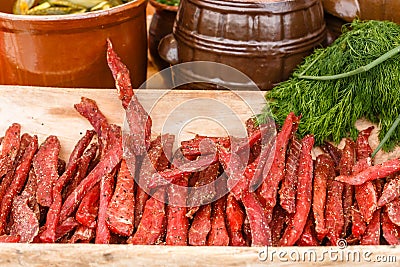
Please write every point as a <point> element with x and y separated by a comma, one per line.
<point>169,2</point>
<point>387,136</point>
<point>330,107</point>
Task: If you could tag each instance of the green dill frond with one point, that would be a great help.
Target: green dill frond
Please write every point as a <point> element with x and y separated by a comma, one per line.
<point>330,108</point>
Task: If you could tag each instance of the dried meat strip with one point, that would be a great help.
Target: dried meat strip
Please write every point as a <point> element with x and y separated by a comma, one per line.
<point>139,121</point>
<point>121,75</point>
<point>89,207</point>
<point>82,234</point>
<point>168,176</point>
<point>365,194</point>
<point>88,109</point>
<point>151,225</point>
<point>333,151</point>
<point>202,145</point>
<point>324,171</point>
<point>109,161</point>
<point>288,189</point>
<point>164,161</point>
<point>252,126</point>
<point>9,239</point>
<point>9,148</point>
<point>79,149</point>
<point>140,124</point>
<point>106,191</point>
<point>140,201</point>
<point>242,186</point>
<point>304,194</point>
<point>393,211</point>
<point>265,155</point>
<point>374,172</point>
<point>269,187</point>
<point>366,197</point>
<point>390,192</point>
<point>373,232</point>
<point>66,227</point>
<point>52,218</point>
<point>363,149</point>
<point>45,165</point>
<point>278,223</point>
<point>234,221</point>
<point>121,210</point>
<point>218,235</point>
<point>345,168</point>
<point>235,169</point>
<point>194,165</point>
<point>200,227</point>
<point>82,168</point>
<point>203,192</point>
<point>390,231</point>
<point>25,222</point>
<point>260,231</point>
<point>25,141</point>
<point>260,136</point>
<point>334,216</point>
<point>180,168</point>
<point>177,222</point>
<point>25,212</point>
<point>358,225</point>
<point>147,169</point>
<point>308,238</point>
<point>18,182</point>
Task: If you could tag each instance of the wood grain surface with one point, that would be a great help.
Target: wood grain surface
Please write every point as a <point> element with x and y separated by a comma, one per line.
<point>50,111</point>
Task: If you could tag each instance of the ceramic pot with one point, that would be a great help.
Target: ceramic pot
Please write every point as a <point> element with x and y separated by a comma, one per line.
<point>70,50</point>
<point>348,10</point>
<point>160,26</point>
<point>265,40</point>
<point>334,26</point>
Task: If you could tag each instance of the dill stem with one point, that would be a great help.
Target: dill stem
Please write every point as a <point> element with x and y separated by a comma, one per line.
<point>387,136</point>
<point>359,70</point>
<point>309,66</point>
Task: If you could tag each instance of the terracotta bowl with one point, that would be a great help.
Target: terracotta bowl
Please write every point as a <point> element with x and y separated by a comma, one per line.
<point>70,50</point>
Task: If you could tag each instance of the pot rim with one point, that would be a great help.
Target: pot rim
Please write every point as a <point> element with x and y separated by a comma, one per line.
<point>255,6</point>
<point>73,17</point>
<point>161,6</point>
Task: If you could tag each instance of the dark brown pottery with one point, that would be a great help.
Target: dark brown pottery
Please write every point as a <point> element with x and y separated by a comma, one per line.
<point>161,25</point>
<point>348,10</point>
<point>334,26</point>
<point>265,40</point>
<point>70,50</point>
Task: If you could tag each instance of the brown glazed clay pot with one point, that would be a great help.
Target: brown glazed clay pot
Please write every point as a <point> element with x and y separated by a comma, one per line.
<point>334,26</point>
<point>264,39</point>
<point>70,50</point>
<point>348,10</point>
<point>160,26</point>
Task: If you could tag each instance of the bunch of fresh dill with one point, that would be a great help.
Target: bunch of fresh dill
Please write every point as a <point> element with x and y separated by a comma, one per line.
<point>331,107</point>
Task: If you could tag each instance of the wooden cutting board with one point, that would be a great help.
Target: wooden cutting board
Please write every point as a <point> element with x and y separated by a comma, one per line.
<point>50,111</point>
<point>45,111</point>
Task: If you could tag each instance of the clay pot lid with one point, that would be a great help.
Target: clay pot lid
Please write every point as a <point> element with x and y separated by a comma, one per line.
<point>159,5</point>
